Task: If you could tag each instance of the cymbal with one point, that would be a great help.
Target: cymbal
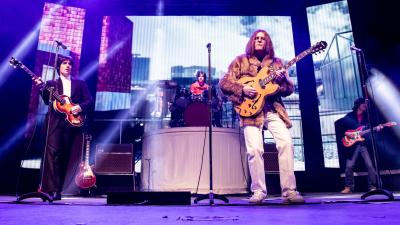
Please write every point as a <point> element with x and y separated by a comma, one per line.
<point>167,84</point>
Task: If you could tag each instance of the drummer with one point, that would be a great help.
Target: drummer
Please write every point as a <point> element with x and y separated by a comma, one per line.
<point>197,88</point>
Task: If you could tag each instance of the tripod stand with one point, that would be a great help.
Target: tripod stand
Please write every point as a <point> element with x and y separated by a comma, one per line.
<point>40,194</point>
<point>363,71</point>
<point>210,195</point>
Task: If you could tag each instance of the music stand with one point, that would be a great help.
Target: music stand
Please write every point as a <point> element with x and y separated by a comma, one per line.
<point>40,194</point>
<point>363,71</point>
<point>210,195</point>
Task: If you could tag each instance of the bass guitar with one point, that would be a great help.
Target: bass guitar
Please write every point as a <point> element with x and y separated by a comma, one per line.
<point>62,103</point>
<point>265,85</point>
<point>354,136</point>
<point>86,178</point>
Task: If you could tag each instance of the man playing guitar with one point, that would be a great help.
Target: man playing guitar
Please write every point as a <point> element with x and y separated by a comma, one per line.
<point>61,135</point>
<point>260,56</point>
<point>348,124</point>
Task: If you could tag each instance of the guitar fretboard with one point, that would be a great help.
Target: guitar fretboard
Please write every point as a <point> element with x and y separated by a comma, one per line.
<point>297,58</point>
<point>42,85</point>
<point>287,65</point>
<point>87,149</point>
<point>375,128</point>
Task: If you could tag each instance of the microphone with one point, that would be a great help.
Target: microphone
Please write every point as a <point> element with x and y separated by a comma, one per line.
<point>209,45</point>
<point>59,43</point>
<point>354,48</point>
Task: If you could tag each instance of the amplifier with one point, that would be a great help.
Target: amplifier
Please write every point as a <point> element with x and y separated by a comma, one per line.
<point>114,159</point>
<point>270,155</point>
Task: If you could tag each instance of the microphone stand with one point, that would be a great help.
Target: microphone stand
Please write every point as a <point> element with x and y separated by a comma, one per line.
<point>211,195</point>
<point>40,194</point>
<point>363,71</point>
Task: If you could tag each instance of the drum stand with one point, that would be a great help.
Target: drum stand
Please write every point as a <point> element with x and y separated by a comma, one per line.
<point>210,195</point>
<point>363,70</point>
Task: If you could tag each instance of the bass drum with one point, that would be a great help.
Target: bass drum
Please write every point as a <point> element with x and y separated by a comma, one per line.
<point>197,115</point>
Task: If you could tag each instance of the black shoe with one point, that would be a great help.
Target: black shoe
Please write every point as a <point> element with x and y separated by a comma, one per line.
<point>57,196</point>
<point>372,188</point>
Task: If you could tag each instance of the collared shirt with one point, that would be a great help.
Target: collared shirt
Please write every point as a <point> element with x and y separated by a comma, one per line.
<point>66,82</point>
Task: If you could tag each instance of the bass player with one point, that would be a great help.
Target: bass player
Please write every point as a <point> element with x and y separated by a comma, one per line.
<point>61,135</point>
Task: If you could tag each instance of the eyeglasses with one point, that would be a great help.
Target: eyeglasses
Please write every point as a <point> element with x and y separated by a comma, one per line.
<point>259,38</point>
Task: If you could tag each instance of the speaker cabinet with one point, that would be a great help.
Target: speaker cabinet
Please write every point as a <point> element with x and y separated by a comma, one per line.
<point>114,159</point>
<point>271,168</point>
<point>270,156</point>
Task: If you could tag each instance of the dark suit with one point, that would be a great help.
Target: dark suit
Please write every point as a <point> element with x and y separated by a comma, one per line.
<point>61,135</point>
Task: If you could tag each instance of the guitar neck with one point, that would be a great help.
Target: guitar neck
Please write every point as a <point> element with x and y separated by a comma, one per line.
<point>55,95</point>
<point>369,130</point>
<point>28,71</point>
<point>42,85</point>
<point>297,58</point>
<point>366,131</point>
<point>87,150</point>
<point>289,64</point>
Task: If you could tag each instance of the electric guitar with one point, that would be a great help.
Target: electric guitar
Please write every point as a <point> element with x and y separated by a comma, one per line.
<point>62,103</point>
<point>86,178</point>
<point>356,135</point>
<point>265,85</point>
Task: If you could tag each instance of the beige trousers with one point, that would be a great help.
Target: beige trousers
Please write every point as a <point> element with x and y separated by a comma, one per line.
<point>255,149</point>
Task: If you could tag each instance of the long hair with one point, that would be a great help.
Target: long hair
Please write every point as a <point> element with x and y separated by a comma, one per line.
<point>268,48</point>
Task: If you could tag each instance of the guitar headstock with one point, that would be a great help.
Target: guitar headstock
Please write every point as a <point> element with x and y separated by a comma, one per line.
<point>318,47</point>
<point>87,136</point>
<point>15,63</point>
<point>390,124</point>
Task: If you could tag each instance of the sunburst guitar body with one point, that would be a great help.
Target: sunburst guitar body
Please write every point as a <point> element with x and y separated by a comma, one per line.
<point>86,178</point>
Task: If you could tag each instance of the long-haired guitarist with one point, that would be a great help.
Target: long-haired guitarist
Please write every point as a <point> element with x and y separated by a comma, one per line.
<point>347,126</point>
<point>62,134</point>
<point>260,58</point>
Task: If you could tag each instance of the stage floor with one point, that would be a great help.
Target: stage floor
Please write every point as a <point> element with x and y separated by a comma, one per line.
<point>320,208</point>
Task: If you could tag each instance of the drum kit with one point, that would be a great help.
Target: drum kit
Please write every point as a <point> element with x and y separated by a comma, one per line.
<point>197,112</point>
<point>190,109</point>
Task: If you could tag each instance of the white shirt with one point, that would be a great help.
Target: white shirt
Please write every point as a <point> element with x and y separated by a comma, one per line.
<point>66,82</point>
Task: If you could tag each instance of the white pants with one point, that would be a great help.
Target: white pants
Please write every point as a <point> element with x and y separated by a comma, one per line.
<point>255,149</point>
